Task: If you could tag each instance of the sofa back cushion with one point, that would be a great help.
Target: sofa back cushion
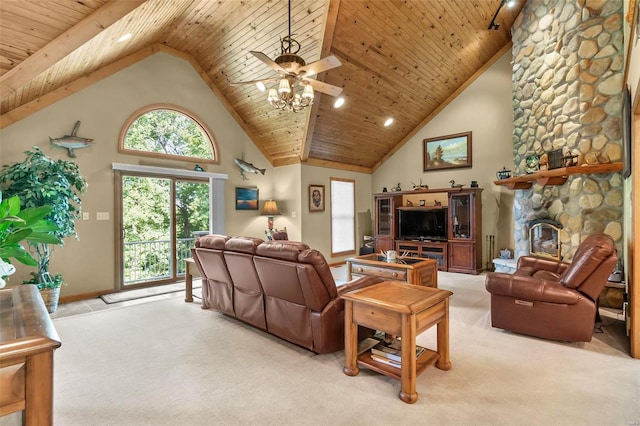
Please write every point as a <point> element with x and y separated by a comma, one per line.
<point>248,297</point>
<point>589,257</point>
<point>307,267</point>
<point>218,291</point>
<point>212,241</point>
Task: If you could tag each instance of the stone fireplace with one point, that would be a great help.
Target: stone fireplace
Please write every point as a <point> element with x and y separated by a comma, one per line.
<point>544,238</point>
<point>567,94</point>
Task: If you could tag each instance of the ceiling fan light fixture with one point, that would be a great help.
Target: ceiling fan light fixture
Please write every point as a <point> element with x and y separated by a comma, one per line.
<point>273,95</point>
<point>284,86</point>
<point>307,93</point>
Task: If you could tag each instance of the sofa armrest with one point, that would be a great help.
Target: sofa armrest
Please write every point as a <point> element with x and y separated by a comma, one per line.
<point>531,289</point>
<point>360,282</point>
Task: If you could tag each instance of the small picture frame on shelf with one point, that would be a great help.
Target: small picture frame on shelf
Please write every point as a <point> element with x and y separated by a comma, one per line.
<point>533,163</point>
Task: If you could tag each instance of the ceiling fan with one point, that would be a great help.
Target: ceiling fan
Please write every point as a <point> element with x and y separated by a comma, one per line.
<point>294,71</point>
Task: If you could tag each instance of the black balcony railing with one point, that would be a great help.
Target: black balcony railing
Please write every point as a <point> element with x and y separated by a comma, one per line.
<point>152,260</point>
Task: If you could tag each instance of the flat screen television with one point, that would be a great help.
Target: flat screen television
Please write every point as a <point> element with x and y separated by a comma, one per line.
<point>423,224</point>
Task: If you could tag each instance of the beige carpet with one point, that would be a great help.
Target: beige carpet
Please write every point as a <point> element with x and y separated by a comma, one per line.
<point>141,293</point>
<point>170,363</point>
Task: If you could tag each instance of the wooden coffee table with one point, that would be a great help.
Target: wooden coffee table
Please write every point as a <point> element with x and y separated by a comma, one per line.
<point>412,270</point>
<point>404,311</point>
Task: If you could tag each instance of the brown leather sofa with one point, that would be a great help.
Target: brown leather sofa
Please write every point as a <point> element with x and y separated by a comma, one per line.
<point>552,299</point>
<point>282,287</point>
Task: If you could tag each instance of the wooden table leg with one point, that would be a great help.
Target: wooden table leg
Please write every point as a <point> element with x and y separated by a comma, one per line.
<point>188,281</point>
<point>350,341</point>
<point>39,390</point>
<point>444,362</point>
<point>408,392</point>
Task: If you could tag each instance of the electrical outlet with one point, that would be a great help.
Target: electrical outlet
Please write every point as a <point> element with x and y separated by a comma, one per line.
<point>102,216</point>
<point>293,214</point>
<point>86,216</point>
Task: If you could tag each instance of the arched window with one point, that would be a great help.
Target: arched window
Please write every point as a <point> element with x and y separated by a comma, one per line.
<point>162,130</point>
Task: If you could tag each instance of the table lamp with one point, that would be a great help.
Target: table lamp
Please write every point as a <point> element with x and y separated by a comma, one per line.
<point>270,210</point>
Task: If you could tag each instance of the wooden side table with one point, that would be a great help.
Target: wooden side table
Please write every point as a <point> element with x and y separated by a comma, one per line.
<point>188,278</point>
<point>404,311</point>
<point>27,341</point>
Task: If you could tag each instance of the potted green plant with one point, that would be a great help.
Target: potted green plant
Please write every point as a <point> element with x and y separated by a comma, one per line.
<point>41,181</point>
<point>17,225</point>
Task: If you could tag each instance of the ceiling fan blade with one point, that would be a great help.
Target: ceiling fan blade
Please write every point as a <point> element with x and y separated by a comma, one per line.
<point>323,87</point>
<point>267,61</point>
<point>263,80</point>
<point>322,65</point>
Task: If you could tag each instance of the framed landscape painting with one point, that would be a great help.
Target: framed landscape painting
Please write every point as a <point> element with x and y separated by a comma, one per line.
<point>447,152</point>
<point>246,198</point>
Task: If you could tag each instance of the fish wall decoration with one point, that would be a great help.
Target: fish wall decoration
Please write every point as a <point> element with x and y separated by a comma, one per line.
<point>71,142</point>
<point>247,167</point>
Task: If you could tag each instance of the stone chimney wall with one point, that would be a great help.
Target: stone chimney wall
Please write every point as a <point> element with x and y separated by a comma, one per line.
<point>567,94</point>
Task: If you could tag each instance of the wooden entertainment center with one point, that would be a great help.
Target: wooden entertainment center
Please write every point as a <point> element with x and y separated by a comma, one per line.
<point>460,250</point>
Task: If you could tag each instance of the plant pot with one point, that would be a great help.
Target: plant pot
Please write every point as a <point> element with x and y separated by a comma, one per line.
<point>50,296</point>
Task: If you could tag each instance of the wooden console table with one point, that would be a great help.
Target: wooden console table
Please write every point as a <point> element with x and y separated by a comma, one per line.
<point>401,310</point>
<point>27,342</point>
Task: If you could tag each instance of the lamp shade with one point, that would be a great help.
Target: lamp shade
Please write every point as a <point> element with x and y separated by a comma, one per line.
<point>270,208</point>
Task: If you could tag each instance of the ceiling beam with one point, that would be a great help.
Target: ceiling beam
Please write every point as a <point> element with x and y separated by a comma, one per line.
<point>339,166</point>
<point>64,44</point>
<point>330,19</point>
<point>75,86</point>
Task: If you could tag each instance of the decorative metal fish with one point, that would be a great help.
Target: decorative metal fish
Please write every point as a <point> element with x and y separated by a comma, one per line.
<point>247,167</point>
<point>71,142</point>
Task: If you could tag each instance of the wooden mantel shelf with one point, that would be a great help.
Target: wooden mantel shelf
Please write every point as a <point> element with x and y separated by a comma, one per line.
<point>556,176</point>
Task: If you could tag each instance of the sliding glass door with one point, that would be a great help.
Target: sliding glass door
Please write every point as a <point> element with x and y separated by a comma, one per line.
<point>160,217</point>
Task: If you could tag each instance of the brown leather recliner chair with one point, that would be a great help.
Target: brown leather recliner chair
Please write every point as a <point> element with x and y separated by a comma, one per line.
<point>552,299</point>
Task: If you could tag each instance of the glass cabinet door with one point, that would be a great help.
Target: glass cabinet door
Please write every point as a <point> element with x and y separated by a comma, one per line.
<point>384,210</point>
<point>461,216</point>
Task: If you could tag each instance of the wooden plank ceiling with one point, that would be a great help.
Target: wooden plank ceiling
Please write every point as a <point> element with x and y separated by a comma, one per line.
<point>401,58</point>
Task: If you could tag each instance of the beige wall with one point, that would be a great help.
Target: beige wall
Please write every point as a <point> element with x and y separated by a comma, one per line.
<point>316,226</point>
<point>88,264</point>
<point>484,108</point>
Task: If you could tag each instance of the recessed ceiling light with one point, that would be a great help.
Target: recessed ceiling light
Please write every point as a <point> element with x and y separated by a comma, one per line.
<point>388,122</point>
<point>511,3</point>
<point>261,87</point>
<point>124,38</point>
<point>339,102</point>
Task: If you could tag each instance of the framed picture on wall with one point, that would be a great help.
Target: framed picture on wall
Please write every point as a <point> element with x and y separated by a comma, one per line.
<point>316,198</point>
<point>246,198</point>
<point>447,152</point>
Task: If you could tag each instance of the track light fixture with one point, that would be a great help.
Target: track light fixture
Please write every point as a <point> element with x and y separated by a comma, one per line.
<point>493,25</point>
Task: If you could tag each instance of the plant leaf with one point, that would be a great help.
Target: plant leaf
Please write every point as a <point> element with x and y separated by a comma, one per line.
<point>43,237</point>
